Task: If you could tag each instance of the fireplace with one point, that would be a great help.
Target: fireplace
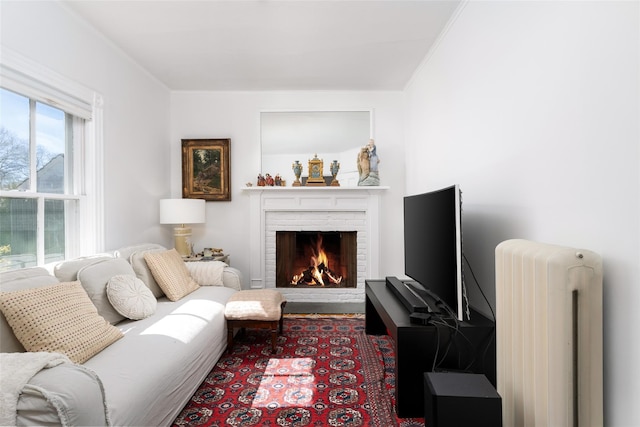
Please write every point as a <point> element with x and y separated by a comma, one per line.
<point>312,209</point>
<point>324,259</point>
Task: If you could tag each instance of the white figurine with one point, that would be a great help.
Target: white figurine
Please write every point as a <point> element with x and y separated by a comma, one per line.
<point>368,165</point>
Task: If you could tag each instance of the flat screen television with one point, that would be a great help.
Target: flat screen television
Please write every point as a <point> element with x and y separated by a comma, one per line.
<point>433,245</point>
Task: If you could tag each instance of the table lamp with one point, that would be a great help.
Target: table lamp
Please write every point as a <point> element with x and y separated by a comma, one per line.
<point>182,211</point>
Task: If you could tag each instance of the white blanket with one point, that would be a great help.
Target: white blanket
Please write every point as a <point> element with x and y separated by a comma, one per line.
<point>207,273</point>
<point>16,369</point>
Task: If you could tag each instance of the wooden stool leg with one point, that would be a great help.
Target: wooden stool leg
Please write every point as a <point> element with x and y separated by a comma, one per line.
<point>274,339</point>
<point>229,338</point>
<point>282,314</point>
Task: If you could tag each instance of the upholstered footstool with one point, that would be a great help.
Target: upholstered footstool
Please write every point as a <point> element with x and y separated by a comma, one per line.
<point>255,308</point>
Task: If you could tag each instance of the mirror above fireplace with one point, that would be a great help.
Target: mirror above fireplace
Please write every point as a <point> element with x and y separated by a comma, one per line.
<point>287,136</point>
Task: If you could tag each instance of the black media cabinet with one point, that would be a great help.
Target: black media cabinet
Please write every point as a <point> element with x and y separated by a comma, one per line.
<point>472,347</point>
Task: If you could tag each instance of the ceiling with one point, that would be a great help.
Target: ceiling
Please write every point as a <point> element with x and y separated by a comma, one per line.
<point>272,45</point>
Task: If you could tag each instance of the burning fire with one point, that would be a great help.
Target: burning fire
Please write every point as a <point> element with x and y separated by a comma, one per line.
<point>318,272</point>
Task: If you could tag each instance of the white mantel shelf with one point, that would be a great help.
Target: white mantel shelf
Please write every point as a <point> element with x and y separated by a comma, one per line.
<point>315,188</point>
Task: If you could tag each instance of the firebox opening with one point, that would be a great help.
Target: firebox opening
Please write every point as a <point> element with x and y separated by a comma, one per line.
<point>316,259</point>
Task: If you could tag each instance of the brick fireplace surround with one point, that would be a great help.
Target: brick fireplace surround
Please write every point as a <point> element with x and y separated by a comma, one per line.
<point>314,209</point>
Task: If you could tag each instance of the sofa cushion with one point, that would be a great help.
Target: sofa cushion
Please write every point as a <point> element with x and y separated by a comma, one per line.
<point>94,280</point>
<point>163,358</point>
<point>58,318</point>
<point>67,271</point>
<point>143,272</point>
<point>127,251</point>
<point>33,277</point>
<point>130,297</point>
<point>171,273</point>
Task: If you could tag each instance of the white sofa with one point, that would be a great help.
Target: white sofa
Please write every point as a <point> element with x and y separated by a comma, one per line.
<point>144,378</point>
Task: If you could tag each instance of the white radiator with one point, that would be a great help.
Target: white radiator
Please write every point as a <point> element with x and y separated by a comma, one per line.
<point>548,335</point>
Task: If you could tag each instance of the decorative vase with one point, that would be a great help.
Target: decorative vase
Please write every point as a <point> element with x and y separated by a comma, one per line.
<point>297,171</point>
<point>334,168</point>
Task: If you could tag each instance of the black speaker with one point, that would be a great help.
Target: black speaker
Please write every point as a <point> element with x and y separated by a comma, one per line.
<point>455,399</point>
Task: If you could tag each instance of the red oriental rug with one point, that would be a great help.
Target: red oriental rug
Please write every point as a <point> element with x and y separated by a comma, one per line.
<point>326,372</point>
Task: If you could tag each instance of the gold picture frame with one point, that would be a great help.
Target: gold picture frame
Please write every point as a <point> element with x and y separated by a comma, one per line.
<point>206,170</point>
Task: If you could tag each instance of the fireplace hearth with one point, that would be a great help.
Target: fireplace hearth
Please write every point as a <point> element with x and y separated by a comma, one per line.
<point>316,259</point>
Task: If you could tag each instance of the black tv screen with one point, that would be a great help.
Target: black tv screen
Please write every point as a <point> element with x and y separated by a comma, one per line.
<point>433,244</point>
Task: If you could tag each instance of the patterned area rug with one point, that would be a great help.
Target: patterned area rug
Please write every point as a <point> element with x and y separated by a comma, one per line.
<point>326,372</point>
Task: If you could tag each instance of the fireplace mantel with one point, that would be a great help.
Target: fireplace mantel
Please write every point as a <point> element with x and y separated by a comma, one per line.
<point>328,189</point>
<point>334,208</point>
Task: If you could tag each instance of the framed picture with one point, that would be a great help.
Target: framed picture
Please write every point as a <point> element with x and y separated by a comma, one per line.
<point>205,169</point>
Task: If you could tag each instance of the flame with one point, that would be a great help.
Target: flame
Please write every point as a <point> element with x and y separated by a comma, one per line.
<point>319,266</point>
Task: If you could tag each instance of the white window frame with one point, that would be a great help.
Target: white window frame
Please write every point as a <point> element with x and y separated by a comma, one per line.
<point>31,79</point>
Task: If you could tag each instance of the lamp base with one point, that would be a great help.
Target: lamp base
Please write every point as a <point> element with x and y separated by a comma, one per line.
<point>182,241</point>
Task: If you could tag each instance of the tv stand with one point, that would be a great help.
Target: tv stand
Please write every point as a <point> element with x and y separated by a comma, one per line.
<point>472,348</point>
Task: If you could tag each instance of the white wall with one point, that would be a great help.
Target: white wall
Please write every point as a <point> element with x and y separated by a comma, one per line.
<point>235,115</point>
<point>136,112</point>
<point>533,108</point>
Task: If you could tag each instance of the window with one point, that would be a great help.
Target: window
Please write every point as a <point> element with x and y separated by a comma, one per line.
<point>36,154</point>
<point>49,168</point>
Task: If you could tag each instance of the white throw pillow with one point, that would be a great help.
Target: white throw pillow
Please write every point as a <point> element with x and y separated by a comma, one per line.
<point>130,297</point>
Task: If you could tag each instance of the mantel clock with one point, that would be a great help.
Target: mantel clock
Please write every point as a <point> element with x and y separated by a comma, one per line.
<point>316,175</point>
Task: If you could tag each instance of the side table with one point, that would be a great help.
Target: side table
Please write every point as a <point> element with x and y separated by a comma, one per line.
<point>223,258</point>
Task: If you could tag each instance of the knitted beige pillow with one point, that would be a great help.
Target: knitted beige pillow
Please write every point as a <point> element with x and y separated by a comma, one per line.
<point>59,318</point>
<point>171,273</point>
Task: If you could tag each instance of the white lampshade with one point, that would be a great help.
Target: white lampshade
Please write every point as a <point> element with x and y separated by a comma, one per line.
<point>182,211</point>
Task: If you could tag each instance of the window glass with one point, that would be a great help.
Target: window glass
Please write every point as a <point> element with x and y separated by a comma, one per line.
<point>50,149</point>
<point>54,229</point>
<point>14,140</point>
<point>18,219</point>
